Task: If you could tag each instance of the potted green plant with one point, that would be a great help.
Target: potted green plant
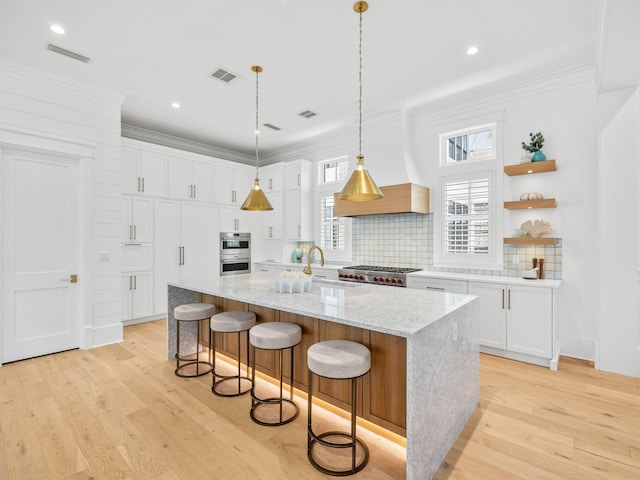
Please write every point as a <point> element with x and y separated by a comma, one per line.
<point>535,147</point>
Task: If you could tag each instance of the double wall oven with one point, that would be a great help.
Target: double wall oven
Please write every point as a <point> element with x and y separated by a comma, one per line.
<point>235,253</point>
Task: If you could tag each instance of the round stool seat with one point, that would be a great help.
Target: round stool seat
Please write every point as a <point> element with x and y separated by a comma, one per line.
<point>338,359</point>
<point>194,311</point>
<point>275,335</point>
<point>233,321</point>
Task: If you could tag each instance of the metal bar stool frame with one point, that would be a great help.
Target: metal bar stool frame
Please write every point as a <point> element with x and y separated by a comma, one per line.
<point>191,361</point>
<point>227,378</point>
<point>257,401</point>
<point>312,437</point>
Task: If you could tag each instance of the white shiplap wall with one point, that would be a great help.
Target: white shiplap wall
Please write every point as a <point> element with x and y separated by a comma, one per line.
<point>52,112</point>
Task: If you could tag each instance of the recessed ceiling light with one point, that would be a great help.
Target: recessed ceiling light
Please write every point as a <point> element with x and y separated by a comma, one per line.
<point>57,29</point>
<point>472,50</point>
<point>257,132</point>
<point>175,105</point>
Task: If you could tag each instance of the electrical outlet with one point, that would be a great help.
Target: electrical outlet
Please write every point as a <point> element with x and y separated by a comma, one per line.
<point>105,256</point>
<point>515,259</point>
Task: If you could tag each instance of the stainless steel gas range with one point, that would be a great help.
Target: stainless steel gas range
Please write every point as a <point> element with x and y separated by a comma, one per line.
<point>393,276</point>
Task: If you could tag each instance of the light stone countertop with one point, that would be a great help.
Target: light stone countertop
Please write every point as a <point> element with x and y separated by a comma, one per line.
<point>467,277</point>
<point>396,311</point>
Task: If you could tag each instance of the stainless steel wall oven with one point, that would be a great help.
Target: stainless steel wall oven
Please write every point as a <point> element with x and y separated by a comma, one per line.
<point>235,253</point>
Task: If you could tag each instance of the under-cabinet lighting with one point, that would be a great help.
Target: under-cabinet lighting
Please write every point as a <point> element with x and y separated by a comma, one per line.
<point>529,171</point>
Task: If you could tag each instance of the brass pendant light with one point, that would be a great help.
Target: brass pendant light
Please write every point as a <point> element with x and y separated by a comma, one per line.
<point>360,186</point>
<point>256,200</point>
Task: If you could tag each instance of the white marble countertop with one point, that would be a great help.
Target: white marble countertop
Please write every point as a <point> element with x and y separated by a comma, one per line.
<point>393,310</point>
<point>467,277</point>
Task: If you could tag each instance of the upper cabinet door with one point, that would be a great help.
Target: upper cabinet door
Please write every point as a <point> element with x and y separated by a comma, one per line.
<point>243,183</point>
<point>153,174</point>
<point>179,181</point>
<point>223,185</point>
<point>130,163</point>
<point>202,181</point>
<point>272,178</point>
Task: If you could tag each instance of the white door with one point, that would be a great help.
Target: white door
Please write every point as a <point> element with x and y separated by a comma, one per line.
<point>40,304</point>
<point>167,250</point>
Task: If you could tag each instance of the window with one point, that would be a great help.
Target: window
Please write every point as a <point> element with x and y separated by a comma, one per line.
<point>476,143</point>
<point>335,237</point>
<point>332,228</point>
<point>466,218</point>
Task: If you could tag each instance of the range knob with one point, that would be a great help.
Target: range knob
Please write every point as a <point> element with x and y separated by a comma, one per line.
<point>340,275</point>
<point>399,281</point>
<point>375,279</point>
<point>360,277</point>
<point>393,280</point>
<point>386,280</point>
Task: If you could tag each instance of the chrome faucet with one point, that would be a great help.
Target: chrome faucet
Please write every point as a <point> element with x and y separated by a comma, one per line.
<point>307,269</point>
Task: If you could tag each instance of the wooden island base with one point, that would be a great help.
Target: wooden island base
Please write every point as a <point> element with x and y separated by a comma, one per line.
<point>424,378</point>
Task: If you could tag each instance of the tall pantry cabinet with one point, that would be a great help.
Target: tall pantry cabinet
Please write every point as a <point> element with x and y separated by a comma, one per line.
<point>174,206</point>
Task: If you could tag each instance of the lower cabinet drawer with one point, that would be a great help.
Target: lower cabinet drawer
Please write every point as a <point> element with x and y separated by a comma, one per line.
<point>438,284</point>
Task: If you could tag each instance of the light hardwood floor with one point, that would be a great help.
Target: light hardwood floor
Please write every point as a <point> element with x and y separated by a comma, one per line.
<point>119,412</point>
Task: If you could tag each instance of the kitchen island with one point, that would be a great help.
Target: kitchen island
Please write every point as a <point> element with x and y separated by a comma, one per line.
<point>424,380</point>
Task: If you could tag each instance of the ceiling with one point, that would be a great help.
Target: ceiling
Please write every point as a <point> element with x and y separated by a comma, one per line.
<point>414,51</point>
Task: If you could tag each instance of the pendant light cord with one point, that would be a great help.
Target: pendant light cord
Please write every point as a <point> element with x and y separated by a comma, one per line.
<point>257,132</point>
<point>360,92</point>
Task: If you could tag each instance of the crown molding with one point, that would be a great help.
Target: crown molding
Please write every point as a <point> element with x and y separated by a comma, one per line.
<point>149,136</point>
<point>483,98</point>
<point>27,71</point>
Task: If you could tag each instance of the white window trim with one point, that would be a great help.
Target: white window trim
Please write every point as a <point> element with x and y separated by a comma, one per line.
<point>467,170</point>
<point>444,138</point>
<point>326,189</point>
<point>490,261</point>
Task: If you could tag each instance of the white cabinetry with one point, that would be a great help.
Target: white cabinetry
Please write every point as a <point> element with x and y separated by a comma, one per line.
<point>143,172</point>
<point>517,321</point>
<point>272,219</point>
<point>136,215</point>
<point>232,184</point>
<point>298,201</point>
<point>190,179</point>
<point>438,284</point>
<point>272,178</point>
<point>137,295</point>
<point>186,245</point>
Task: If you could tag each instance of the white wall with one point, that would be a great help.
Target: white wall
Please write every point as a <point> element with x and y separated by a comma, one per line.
<point>53,112</point>
<point>618,227</point>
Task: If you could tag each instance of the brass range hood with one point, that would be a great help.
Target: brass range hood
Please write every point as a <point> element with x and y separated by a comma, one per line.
<point>401,198</point>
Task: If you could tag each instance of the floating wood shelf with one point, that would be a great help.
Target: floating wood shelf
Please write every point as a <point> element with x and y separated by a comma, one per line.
<point>524,204</point>
<point>531,241</point>
<point>530,167</point>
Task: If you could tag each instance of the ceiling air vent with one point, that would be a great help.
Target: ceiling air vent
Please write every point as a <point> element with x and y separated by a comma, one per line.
<point>307,114</point>
<point>223,75</point>
<point>273,127</point>
<point>67,53</point>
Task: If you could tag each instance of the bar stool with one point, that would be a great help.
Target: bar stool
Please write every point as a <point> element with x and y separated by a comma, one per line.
<point>230,322</point>
<point>274,336</point>
<point>337,359</point>
<point>192,312</point>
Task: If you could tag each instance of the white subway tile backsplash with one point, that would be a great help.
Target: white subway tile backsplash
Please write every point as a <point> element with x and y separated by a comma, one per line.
<point>406,240</point>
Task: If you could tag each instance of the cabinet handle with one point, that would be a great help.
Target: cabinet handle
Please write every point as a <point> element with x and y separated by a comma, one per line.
<point>194,191</point>
<point>139,185</point>
<point>130,282</point>
<point>299,235</point>
<point>298,179</point>
<point>271,184</point>
<point>440,289</point>
<point>503,298</point>
<point>509,299</point>
<point>142,184</point>
<point>320,276</point>
<point>135,282</point>
<point>265,270</point>
<point>233,196</point>
<point>130,232</point>
<point>270,232</point>
<point>135,233</point>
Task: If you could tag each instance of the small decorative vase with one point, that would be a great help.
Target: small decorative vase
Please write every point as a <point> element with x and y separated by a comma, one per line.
<point>538,156</point>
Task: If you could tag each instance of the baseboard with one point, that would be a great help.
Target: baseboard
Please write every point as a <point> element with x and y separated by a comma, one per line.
<point>106,335</point>
<point>150,318</point>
